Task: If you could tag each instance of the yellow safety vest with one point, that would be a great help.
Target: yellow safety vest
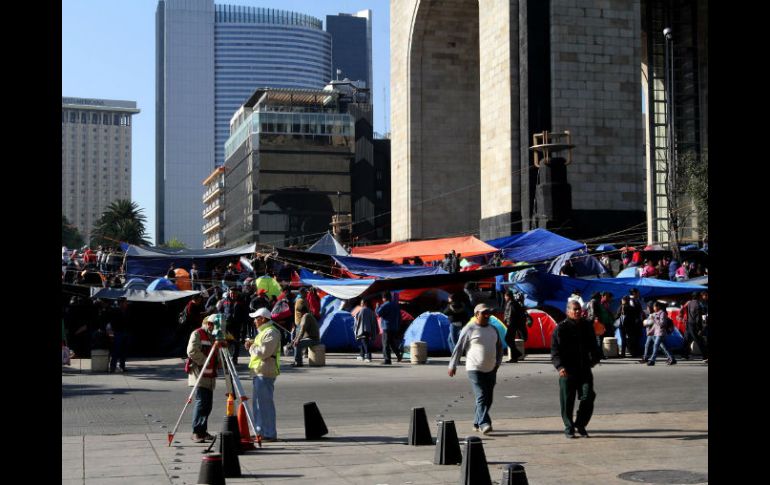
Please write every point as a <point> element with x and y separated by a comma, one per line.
<point>255,361</point>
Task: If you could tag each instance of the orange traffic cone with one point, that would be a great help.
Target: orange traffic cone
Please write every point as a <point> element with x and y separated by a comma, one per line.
<point>243,427</point>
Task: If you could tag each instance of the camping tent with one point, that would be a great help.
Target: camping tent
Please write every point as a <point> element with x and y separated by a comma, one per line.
<point>501,329</point>
<point>337,331</point>
<point>584,264</point>
<point>268,284</point>
<point>135,284</point>
<point>162,284</point>
<point>431,250</point>
<point>182,279</point>
<point>329,304</point>
<point>328,245</point>
<point>539,334</point>
<point>431,328</point>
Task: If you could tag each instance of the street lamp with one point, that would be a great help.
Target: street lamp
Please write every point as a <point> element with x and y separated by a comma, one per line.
<point>671,185</point>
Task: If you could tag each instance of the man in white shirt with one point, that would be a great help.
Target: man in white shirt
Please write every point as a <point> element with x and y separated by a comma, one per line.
<point>480,343</point>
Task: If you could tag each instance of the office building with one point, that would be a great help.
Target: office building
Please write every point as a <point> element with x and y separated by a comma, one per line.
<point>351,47</point>
<point>96,158</point>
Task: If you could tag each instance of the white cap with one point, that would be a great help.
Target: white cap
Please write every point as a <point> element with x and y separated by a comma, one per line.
<point>262,312</point>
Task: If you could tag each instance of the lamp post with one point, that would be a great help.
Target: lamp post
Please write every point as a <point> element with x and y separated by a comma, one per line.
<point>671,186</point>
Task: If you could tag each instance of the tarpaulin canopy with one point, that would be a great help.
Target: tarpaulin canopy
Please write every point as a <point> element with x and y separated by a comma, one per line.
<point>140,295</point>
<point>151,262</point>
<point>535,246</point>
<point>554,290</point>
<point>430,250</point>
<point>267,283</point>
<point>605,247</point>
<point>384,269</point>
<point>328,245</point>
<point>344,288</point>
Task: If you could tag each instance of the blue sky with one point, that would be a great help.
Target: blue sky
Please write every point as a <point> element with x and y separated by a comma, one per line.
<point>108,51</point>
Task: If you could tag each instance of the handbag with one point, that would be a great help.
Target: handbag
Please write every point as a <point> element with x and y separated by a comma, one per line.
<point>619,321</point>
<point>599,328</point>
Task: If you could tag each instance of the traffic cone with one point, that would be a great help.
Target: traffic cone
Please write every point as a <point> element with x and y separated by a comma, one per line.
<point>243,427</point>
<point>211,472</point>
<point>514,474</point>
<point>231,466</point>
<point>231,424</point>
<point>447,445</point>
<point>419,431</point>
<point>314,422</point>
<point>474,465</point>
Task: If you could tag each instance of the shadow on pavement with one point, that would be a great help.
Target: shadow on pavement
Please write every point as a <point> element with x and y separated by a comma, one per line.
<point>351,439</point>
<point>616,433</point>
<point>74,390</point>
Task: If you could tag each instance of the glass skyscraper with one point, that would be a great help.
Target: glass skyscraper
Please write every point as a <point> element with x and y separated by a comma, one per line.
<point>210,59</point>
<point>352,47</point>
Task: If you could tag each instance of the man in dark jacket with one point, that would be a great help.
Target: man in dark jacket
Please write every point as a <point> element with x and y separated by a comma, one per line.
<point>515,318</point>
<point>390,314</point>
<point>695,325</point>
<point>573,353</point>
<point>459,314</point>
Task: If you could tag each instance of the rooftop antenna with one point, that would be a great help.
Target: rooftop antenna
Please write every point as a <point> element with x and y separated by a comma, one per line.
<point>339,73</point>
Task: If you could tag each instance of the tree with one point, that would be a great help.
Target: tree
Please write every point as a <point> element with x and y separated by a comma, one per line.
<point>694,172</point>
<point>121,221</point>
<point>174,243</point>
<point>70,236</point>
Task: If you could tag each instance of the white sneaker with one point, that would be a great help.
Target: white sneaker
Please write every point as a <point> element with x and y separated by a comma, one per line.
<point>486,428</point>
<point>359,358</point>
<point>368,360</point>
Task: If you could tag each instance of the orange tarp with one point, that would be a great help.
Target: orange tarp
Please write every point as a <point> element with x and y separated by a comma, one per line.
<point>430,250</point>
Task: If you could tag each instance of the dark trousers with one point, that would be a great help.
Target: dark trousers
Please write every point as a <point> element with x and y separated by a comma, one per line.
<point>203,402</point>
<point>583,388</point>
<point>390,342</point>
<point>366,352</point>
<point>118,352</point>
<point>689,336</point>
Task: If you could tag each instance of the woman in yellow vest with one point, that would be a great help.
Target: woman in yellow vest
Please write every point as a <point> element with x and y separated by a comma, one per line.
<point>264,367</point>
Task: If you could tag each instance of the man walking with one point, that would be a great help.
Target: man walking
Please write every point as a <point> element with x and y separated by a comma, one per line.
<point>480,343</point>
<point>264,367</point>
<point>307,334</point>
<point>574,352</point>
<point>694,321</point>
<point>389,314</point>
<point>365,329</point>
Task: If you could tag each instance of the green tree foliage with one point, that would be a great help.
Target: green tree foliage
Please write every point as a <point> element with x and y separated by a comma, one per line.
<point>694,173</point>
<point>121,221</point>
<point>174,243</point>
<point>70,236</point>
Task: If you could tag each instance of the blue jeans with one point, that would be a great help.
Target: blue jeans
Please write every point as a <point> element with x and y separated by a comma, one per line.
<point>201,410</point>
<point>655,342</point>
<point>454,335</point>
<point>366,352</point>
<point>483,386</point>
<point>264,407</point>
<point>301,346</point>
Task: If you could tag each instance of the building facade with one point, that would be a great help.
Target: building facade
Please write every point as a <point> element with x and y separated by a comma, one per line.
<point>472,84</point>
<point>210,58</point>
<point>213,209</point>
<point>287,167</point>
<point>352,47</point>
<point>96,158</point>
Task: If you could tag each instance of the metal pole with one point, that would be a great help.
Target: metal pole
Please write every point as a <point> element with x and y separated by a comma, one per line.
<point>671,186</point>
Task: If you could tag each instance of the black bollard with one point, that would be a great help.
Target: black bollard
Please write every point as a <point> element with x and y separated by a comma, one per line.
<point>231,424</point>
<point>314,422</point>
<point>514,474</point>
<point>474,465</point>
<point>447,445</point>
<point>211,471</point>
<point>231,466</point>
<point>419,431</point>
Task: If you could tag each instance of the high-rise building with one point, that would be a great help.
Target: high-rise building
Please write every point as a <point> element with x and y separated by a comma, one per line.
<point>352,47</point>
<point>210,59</point>
<point>96,157</point>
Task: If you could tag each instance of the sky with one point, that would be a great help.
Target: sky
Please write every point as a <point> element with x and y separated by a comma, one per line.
<point>108,52</point>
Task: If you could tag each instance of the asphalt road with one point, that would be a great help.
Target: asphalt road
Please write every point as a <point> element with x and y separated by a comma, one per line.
<point>150,397</point>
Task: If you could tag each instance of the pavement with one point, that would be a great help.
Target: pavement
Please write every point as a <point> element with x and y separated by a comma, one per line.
<point>661,445</point>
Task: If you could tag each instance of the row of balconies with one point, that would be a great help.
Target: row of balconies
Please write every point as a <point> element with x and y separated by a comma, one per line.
<point>211,208</point>
<point>212,224</point>
<point>215,189</point>
<point>213,240</point>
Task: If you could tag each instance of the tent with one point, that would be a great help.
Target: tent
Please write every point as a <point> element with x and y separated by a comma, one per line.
<point>384,269</point>
<point>329,304</point>
<point>182,279</point>
<point>431,250</point>
<point>268,284</point>
<point>143,296</point>
<point>501,329</point>
<point>535,246</point>
<point>337,331</point>
<point>328,245</point>
<point>431,328</point>
<point>162,284</point>
<point>135,284</point>
<point>539,334</point>
<point>144,262</point>
<point>584,264</point>
<point>630,272</point>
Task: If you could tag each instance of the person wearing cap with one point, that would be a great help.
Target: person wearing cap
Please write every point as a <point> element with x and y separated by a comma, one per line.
<point>574,351</point>
<point>483,350</point>
<point>198,349</point>
<point>264,367</point>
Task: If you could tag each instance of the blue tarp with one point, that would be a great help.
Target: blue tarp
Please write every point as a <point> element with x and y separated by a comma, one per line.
<point>431,328</point>
<point>329,304</point>
<point>344,288</point>
<point>673,341</point>
<point>584,264</point>
<point>605,247</point>
<point>162,284</point>
<point>384,269</point>
<point>535,246</point>
<point>150,262</point>
<point>630,272</point>
<point>135,284</point>
<point>337,331</point>
<point>548,289</point>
